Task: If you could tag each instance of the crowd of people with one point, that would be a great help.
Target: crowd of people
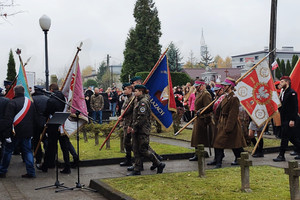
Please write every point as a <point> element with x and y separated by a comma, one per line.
<point>222,125</point>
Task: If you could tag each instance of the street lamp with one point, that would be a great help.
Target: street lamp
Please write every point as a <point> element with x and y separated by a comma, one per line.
<point>45,23</point>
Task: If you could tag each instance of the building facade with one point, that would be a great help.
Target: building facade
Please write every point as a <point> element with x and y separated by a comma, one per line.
<point>240,61</point>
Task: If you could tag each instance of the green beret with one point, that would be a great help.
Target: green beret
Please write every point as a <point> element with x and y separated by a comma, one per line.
<point>125,85</point>
<point>135,79</point>
<point>140,87</point>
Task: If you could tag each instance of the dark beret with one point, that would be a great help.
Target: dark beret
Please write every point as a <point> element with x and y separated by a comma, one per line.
<point>135,79</point>
<point>140,87</point>
<point>125,85</point>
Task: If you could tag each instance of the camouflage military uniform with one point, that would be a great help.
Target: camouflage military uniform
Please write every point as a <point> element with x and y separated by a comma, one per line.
<point>142,126</point>
<point>127,121</point>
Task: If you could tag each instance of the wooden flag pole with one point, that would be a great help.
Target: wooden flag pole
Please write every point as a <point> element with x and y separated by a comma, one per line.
<point>129,104</point>
<point>41,138</point>
<point>78,49</point>
<point>261,135</point>
<point>252,68</point>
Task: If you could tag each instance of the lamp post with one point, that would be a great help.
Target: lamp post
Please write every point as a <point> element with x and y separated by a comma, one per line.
<point>45,23</point>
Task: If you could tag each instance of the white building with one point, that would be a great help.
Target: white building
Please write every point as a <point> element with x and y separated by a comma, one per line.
<point>286,53</point>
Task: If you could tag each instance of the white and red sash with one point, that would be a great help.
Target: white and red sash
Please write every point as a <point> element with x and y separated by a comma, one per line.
<point>21,114</point>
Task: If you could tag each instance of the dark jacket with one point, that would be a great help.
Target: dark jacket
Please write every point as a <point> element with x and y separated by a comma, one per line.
<point>54,104</point>
<point>289,106</point>
<point>127,117</point>
<point>40,102</point>
<point>3,104</point>
<point>141,116</point>
<point>25,128</point>
<point>114,97</point>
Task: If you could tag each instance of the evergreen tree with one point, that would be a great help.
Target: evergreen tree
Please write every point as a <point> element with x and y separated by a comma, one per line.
<point>288,68</point>
<point>142,48</point>
<point>11,67</point>
<point>101,71</point>
<point>278,73</point>
<point>174,58</point>
<point>282,67</point>
<point>294,60</point>
<point>206,58</point>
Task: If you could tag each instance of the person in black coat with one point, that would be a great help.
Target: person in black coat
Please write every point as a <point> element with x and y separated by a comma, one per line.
<point>40,102</point>
<point>23,122</point>
<point>3,125</point>
<point>53,105</point>
<point>288,114</point>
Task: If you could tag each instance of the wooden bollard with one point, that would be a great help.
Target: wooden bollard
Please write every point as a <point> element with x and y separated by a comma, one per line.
<point>201,160</point>
<point>293,171</point>
<point>245,172</point>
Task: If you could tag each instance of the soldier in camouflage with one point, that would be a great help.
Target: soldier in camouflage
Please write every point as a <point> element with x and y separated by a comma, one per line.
<point>140,129</point>
<point>127,120</point>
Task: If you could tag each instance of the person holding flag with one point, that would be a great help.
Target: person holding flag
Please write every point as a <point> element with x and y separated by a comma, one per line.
<point>229,134</point>
<point>140,130</point>
<point>201,130</point>
<point>288,114</point>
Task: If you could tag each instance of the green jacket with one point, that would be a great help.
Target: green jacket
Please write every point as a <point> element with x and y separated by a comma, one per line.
<point>141,116</point>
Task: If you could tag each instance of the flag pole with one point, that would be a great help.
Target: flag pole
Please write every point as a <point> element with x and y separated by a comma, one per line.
<point>261,135</point>
<point>78,49</point>
<point>129,104</point>
<point>211,103</point>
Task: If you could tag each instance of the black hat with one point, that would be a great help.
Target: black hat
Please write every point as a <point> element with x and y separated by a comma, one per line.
<point>140,87</point>
<point>125,85</point>
<point>7,83</point>
<point>38,87</point>
<point>135,79</point>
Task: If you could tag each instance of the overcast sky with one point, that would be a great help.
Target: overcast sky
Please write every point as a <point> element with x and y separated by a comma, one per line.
<point>230,27</point>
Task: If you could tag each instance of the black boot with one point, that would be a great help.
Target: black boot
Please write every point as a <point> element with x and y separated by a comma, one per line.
<point>195,158</point>
<point>127,162</point>
<point>134,173</point>
<point>219,154</point>
<point>280,158</point>
<point>214,162</point>
<point>259,151</point>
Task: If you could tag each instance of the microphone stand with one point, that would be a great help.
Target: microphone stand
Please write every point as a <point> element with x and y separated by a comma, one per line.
<point>78,112</point>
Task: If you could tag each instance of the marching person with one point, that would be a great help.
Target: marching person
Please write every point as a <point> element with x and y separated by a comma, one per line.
<point>140,130</point>
<point>201,130</point>
<point>220,95</point>
<point>127,120</point>
<point>19,114</point>
<point>3,125</point>
<point>229,134</point>
<point>288,114</point>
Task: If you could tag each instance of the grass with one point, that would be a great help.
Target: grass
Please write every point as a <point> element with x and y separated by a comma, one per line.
<point>88,150</point>
<point>266,183</point>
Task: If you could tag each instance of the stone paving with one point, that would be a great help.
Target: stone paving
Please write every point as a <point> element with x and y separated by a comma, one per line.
<point>15,187</point>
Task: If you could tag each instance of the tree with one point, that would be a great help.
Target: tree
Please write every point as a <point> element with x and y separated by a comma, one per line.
<point>174,58</point>
<point>219,62</point>
<point>101,71</point>
<point>282,67</point>
<point>7,4</point>
<point>142,48</point>
<point>206,58</point>
<point>11,67</point>
<point>288,68</point>
<point>90,82</point>
<point>278,73</point>
<point>294,60</point>
<point>228,63</point>
<point>87,71</point>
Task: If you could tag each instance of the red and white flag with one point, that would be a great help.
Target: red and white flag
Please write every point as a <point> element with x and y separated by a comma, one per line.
<point>296,81</point>
<point>258,95</point>
<point>274,65</point>
<point>73,92</point>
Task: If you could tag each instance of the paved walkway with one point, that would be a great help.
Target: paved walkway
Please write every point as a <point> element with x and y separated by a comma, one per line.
<point>15,187</point>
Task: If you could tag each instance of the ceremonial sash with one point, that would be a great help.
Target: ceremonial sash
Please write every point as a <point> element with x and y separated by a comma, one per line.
<point>21,114</point>
<point>217,103</point>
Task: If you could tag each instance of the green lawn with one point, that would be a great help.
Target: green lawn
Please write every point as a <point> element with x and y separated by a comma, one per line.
<point>266,183</point>
<point>88,150</point>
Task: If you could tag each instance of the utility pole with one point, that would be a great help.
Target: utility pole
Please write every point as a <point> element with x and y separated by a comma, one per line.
<point>107,61</point>
<point>272,42</point>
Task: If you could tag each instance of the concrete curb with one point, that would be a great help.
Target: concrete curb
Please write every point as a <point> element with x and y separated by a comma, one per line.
<point>112,161</point>
<point>107,191</point>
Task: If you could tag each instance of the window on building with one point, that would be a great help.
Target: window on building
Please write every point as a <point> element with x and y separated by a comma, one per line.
<point>256,57</point>
<point>241,59</point>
